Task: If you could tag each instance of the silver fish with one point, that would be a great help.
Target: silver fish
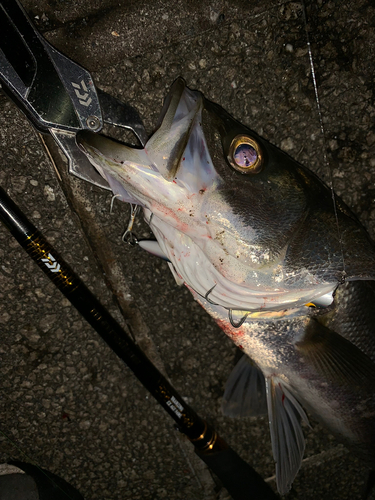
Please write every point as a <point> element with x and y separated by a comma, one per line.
<point>255,237</point>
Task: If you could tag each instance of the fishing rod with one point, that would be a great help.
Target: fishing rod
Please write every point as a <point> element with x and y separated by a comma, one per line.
<point>238,477</point>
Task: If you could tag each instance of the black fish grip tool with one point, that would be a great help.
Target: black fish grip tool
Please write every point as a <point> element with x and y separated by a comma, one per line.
<point>57,95</point>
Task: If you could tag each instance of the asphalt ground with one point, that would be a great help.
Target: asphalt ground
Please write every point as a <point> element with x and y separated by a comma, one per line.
<point>66,402</point>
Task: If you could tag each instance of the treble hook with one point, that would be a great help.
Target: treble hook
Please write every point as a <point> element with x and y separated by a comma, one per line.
<point>230,313</point>
<point>112,200</point>
<point>128,236</point>
<point>208,293</point>
<point>240,323</point>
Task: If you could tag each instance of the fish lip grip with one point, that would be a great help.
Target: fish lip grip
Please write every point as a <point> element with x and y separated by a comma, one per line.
<point>57,95</point>
<point>50,88</point>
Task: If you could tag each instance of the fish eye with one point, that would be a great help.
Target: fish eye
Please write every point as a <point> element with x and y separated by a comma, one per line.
<point>245,155</point>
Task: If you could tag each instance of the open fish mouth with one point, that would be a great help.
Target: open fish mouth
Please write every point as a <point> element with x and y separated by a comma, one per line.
<point>177,141</point>
<point>236,217</point>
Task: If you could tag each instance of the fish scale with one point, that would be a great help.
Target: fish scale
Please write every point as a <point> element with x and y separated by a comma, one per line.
<point>354,317</point>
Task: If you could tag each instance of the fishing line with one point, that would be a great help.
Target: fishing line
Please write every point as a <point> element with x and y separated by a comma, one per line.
<point>322,130</point>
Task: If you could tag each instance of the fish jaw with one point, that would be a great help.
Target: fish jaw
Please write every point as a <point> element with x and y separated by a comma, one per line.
<point>170,175</point>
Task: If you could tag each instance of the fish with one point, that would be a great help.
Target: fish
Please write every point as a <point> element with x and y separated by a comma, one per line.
<point>283,266</point>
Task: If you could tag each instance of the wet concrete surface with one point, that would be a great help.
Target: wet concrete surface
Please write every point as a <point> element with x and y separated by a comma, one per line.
<point>67,403</point>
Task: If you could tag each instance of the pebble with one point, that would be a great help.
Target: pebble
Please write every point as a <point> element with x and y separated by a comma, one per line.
<point>287,144</point>
<point>49,193</point>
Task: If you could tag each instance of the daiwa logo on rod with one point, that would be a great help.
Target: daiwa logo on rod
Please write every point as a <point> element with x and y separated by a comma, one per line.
<point>51,263</point>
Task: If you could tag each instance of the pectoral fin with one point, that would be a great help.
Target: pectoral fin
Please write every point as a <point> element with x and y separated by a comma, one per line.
<point>336,358</point>
<point>288,442</point>
<point>245,391</point>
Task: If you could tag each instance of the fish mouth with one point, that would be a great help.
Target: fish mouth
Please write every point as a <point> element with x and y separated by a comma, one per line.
<point>175,154</point>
